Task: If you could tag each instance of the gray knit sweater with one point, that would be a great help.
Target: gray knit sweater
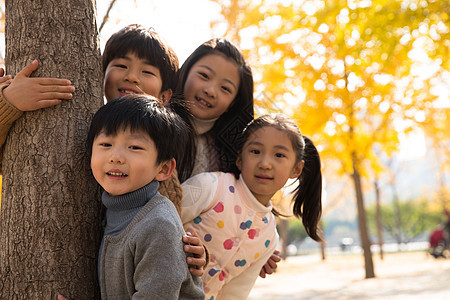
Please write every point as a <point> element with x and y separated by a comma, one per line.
<point>142,253</point>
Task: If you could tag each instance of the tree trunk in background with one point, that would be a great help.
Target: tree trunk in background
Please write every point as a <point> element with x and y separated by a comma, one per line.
<point>378,218</point>
<point>50,222</point>
<point>283,228</point>
<point>363,232</point>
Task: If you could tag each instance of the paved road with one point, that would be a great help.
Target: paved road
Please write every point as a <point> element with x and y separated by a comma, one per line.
<point>399,276</point>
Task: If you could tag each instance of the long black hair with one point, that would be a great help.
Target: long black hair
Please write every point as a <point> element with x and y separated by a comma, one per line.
<point>227,130</point>
<point>307,196</point>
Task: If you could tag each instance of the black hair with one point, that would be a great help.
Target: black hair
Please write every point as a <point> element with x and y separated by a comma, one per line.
<point>141,112</point>
<point>146,44</point>
<point>307,196</point>
<point>227,130</point>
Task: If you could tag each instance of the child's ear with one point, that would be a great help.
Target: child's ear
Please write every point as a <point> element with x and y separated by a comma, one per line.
<point>239,162</point>
<point>165,169</point>
<point>297,170</point>
<point>165,96</point>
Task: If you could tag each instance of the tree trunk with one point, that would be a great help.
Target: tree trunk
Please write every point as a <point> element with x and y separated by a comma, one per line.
<point>283,228</point>
<point>378,219</point>
<point>50,222</point>
<point>322,244</point>
<point>397,217</point>
<point>363,233</point>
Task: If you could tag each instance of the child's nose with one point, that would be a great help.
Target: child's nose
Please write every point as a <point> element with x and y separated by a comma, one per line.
<point>265,162</point>
<point>132,76</point>
<point>210,90</point>
<point>116,157</point>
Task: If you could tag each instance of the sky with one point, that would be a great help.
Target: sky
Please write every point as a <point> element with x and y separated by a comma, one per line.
<point>183,24</point>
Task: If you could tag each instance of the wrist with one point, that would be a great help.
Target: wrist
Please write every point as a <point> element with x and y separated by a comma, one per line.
<point>8,112</point>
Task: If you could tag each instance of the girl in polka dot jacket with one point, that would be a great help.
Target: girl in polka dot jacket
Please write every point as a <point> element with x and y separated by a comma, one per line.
<point>232,213</point>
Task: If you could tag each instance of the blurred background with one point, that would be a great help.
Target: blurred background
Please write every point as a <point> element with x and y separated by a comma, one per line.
<point>367,80</point>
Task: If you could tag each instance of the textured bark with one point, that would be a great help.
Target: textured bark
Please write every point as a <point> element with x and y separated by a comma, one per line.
<point>50,213</point>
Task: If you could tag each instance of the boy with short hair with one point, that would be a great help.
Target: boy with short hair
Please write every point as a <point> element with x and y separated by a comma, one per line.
<point>132,143</point>
<point>137,61</point>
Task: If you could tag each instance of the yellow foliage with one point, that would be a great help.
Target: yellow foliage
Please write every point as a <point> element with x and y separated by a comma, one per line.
<point>344,60</point>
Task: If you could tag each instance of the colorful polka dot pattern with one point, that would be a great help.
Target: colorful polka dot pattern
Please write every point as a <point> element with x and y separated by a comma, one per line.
<point>225,228</point>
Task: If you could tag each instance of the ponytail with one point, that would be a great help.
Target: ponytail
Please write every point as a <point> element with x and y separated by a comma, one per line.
<point>308,194</point>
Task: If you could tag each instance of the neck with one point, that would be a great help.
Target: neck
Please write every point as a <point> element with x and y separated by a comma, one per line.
<point>202,126</point>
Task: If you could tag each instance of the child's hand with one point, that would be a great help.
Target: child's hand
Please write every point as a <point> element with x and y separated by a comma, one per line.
<point>61,297</point>
<point>270,265</point>
<point>27,94</point>
<point>194,246</point>
<point>3,78</point>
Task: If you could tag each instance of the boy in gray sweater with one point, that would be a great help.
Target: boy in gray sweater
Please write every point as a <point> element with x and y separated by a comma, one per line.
<point>132,142</point>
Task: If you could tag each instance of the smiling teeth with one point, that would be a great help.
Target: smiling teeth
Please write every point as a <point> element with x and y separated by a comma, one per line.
<point>204,102</point>
<point>117,174</point>
<point>127,92</point>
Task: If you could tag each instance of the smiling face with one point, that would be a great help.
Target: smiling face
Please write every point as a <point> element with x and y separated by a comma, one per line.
<point>211,86</point>
<point>267,161</point>
<point>133,75</point>
<point>125,162</point>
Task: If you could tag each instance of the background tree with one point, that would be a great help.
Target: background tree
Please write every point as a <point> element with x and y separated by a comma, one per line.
<point>50,222</point>
<point>353,69</point>
<point>418,216</point>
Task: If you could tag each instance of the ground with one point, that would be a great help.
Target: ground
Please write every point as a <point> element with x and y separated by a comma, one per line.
<point>411,275</point>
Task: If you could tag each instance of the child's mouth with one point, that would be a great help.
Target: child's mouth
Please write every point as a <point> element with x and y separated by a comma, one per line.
<point>117,174</point>
<point>203,102</point>
<point>263,178</point>
<point>128,92</point>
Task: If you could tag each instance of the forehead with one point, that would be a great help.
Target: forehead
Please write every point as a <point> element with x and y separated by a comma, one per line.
<point>218,63</point>
<point>271,137</point>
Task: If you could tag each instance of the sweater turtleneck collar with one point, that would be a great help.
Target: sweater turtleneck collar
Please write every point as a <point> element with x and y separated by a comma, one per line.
<point>202,126</point>
<point>132,200</point>
<point>120,210</point>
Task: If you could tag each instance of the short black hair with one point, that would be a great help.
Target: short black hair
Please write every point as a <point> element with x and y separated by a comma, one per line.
<point>146,44</point>
<point>141,112</point>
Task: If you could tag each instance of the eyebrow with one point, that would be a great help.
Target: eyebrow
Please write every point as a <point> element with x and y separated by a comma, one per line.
<point>227,80</point>
<point>282,147</point>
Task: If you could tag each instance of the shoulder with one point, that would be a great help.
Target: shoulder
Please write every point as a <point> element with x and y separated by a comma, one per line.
<point>201,178</point>
<point>157,217</point>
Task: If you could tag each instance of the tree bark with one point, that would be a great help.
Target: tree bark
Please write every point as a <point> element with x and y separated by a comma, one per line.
<point>50,214</point>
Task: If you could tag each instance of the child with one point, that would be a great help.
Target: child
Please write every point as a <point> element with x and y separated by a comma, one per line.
<point>133,141</point>
<point>215,96</point>
<point>232,214</point>
<point>135,60</point>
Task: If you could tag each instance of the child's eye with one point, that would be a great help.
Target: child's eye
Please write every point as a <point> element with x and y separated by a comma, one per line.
<point>280,155</point>
<point>254,151</point>
<point>121,66</point>
<point>204,75</point>
<point>226,89</point>
<point>149,73</point>
<point>105,145</point>
<point>135,148</point>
